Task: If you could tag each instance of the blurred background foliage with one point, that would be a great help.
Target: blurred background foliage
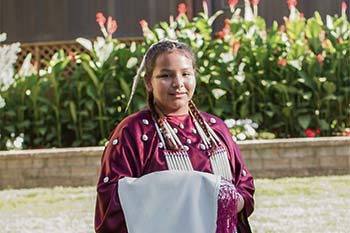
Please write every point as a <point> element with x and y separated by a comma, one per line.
<point>289,80</point>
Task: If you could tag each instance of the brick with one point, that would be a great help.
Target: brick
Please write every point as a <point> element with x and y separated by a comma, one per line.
<point>76,161</point>
<point>93,161</point>
<point>297,152</point>
<point>14,164</point>
<point>250,154</point>
<point>268,153</point>
<point>326,151</point>
<point>31,173</point>
<point>337,162</point>
<point>56,162</point>
<point>2,164</point>
<point>39,162</point>
<point>55,172</point>
<point>277,163</point>
<point>305,162</point>
<point>81,171</point>
<point>253,164</point>
<point>342,150</point>
<point>27,162</point>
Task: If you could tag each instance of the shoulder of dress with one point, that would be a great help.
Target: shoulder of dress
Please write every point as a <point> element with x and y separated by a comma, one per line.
<point>212,120</point>
<point>140,121</point>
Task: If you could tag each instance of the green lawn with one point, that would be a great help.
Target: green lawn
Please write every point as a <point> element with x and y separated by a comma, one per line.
<point>317,204</point>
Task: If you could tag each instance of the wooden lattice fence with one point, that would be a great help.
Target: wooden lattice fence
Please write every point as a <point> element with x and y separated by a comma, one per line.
<point>42,52</point>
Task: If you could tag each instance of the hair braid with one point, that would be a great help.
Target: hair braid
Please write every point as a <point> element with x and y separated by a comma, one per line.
<point>198,117</point>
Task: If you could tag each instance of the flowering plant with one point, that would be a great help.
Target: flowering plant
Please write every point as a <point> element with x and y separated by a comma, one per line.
<point>292,79</point>
<point>8,57</point>
<point>242,129</point>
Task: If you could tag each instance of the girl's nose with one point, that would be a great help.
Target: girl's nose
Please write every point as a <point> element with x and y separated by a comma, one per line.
<point>178,81</point>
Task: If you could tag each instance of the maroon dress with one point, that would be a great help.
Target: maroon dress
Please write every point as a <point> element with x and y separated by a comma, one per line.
<point>135,149</point>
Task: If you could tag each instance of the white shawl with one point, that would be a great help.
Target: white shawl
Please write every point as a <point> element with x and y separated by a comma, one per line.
<point>170,202</point>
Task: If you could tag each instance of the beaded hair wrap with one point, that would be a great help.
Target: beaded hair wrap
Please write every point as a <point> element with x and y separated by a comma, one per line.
<point>217,152</point>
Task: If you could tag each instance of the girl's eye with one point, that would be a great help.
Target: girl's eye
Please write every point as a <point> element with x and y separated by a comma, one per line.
<point>187,74</point>
<point>163,76</point>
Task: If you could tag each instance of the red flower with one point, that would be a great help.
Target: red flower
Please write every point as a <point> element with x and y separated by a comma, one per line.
<point>232,3</point>
<point>221,35</point>
<point>111,26</point>
<point>343,6</point>
<point>227,29</point>
<point>309,133</point>
<point>255,2</point>
<point>235,47</point>
<point>347,132</point>
<point>181,9</point>
<point>205,7</point>
<point>282,62</point>
<point>318,131</point>
<point>320,58</point>
<point>71,56</point>
<point>292,3</point>
<point>100,19</point>
<point>339,40</point>
<point>143,24</point>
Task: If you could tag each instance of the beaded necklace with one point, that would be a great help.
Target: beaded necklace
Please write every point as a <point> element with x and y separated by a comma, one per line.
<point>176,154</point>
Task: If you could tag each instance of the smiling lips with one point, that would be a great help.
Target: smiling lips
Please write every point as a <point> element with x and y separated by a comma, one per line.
<point>178,94</point>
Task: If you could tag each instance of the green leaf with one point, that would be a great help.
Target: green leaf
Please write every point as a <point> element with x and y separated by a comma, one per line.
<point>91,74</point>
<point>304,121</point>
<point>73,111</point>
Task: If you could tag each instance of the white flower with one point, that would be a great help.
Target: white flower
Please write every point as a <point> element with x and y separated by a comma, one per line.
<point>230,123</point>
<point>3,37</point>
<point>103,50</point>
<point>241,136</point>
<point>217,93</point>
<point>9,144</point>
<point>248,13</point>
<point>226,57</point>
<point>8,57</point>
<point>250,130</point>
<point>234,138</point>
<point>2,102</point>
<point>240,77</point>
<point>85,43</point>
<point>27,68</point>
<point>17,143</point>
<point>329,23</point>
<point>296,64</point>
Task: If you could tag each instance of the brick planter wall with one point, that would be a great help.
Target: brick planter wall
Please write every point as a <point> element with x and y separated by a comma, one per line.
<point>264,158</point>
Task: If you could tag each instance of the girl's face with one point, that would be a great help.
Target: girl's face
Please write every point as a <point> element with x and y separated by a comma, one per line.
<point>172,83</point>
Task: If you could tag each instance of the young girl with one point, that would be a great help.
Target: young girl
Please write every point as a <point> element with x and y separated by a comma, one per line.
<point>170,167</point>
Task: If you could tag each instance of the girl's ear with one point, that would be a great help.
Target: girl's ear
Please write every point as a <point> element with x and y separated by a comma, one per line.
<point>148,84</point>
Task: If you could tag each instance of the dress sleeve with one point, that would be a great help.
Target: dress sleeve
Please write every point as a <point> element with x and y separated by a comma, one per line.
<point>244,183</point>
<point>242,178</point>
<point>120,159</point>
